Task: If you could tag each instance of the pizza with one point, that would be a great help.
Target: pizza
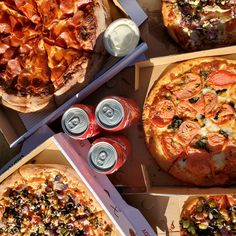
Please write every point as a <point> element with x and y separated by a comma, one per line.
<point>43,199</point>
<point>209,215</point>
<point>189,121</point>
<point>200,24</point>
<point>49,49</point>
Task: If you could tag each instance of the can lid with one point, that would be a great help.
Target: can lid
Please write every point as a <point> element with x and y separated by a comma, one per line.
<point>109,113</point>
<point>75,121</point>
<point>121,37</point>
<point>102,156</point>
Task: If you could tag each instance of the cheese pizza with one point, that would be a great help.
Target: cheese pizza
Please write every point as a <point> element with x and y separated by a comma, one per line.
<point>189,121</point>
<point>209,215</point>
<point>50,200</point>
<point>49,49</point>
<point>198,24</point>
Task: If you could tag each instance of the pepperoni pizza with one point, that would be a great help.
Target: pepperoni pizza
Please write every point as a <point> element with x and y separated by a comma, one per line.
<point>189,121</point>
<point>209,215</point>
<point>50,200</point>
<point>197,24</point>
<point>49,49</point>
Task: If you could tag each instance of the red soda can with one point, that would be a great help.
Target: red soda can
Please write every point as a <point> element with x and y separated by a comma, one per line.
<point>108,154</point>
<point>116,113</point>
<point>79,122</point>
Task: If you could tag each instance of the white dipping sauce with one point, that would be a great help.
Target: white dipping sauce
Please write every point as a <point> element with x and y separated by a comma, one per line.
<point>121,37</point>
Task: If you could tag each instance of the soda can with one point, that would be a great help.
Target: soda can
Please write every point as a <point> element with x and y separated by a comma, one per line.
<point>79,122</point>
<point>116,113</point>
<point>108,154</point>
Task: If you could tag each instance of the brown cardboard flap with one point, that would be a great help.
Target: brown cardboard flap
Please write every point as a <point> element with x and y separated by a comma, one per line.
<point>117,11</point>
<point>163,62</point>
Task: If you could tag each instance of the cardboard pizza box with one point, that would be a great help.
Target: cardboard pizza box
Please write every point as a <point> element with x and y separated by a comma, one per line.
<point>162,212</point>
<point>17,127</point>
<point>157,181</point>
<point>60,149</point>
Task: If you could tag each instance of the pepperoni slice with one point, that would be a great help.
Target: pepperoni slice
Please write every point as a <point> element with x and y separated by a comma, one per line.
<point>210,100</point>
<point>225,114</point>
<point>184,109</point>
<point>171,148</point>
<point>187,130</point>
<point>222,78</point>
<point>188,86</point>
<point>199,106</point>
<point>164,113</point>
<point>215,142</point>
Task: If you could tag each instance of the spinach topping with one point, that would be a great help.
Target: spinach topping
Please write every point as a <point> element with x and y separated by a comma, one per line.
<point>202,144</point>
<point>220,91</point>
<point>177,121</point>
<point>223,133</point>
<point>204,74</point>
<point>194,99</point>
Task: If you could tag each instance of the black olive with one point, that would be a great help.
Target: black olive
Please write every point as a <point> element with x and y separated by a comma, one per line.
<point>15,230</point>
<point>223,133</point>
<point>57,177</point>
<point>70,205</point>
<point>220,91</point>
<point>79,232</point>
<point>233,208</point>
<point>87,211</point>
<point>202,144</point>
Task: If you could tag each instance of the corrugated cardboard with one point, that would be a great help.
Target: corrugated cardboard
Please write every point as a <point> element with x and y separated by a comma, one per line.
<point>20,126</point>
<point>147,72</point>
<point>60,149</point>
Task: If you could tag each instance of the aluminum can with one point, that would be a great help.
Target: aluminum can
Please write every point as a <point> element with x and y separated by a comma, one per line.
<point>116,113</point>
<point>79,122</point>
<point>108,154</point>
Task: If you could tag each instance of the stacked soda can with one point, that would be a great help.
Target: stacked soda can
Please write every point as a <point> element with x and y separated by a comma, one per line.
<point>112,114</point>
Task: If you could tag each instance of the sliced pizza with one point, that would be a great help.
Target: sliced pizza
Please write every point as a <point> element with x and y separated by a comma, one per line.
<point>189,120</point>
<point>198,24</point>
<point>50,200</point>
<point>209,215</point>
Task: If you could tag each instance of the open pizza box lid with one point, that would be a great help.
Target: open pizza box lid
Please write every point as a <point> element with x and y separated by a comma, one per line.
<point>157,181</point>
<point>60,149</point>
<point>17,127</point>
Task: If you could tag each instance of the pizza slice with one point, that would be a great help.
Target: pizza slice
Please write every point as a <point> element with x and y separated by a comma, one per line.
<point>200,24</point>
<point>208,215</point>
<point>27,8</point>
<point>50,199</point>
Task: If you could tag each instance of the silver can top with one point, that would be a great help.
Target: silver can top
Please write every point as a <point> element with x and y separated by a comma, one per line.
<point>109,113</point>
<point>75,121</point>
<point>102,156</point>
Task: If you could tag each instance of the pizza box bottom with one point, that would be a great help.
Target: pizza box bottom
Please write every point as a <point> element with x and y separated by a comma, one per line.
<point>60,149</point>
<point>162,212</point>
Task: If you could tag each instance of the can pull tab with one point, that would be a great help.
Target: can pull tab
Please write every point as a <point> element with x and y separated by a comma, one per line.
<point>76,123</point>
<point>111,114</point>
<point>72,123</point>
<point>102,158</point>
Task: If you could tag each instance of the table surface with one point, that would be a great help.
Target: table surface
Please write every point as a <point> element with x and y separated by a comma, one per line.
<point>143,201</point>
